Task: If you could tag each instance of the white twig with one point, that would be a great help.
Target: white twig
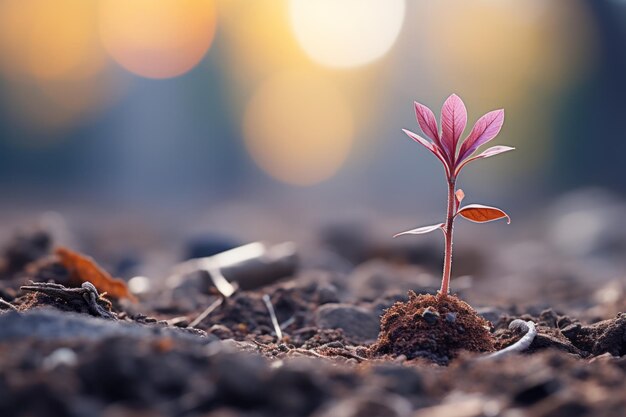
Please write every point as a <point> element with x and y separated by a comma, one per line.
<point>270,308</point>
<point>7,304</point>
<point>206,312</point>
<point>521,345</point>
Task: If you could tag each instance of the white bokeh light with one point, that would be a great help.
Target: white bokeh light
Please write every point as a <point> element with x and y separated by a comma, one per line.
<point>346,33</point>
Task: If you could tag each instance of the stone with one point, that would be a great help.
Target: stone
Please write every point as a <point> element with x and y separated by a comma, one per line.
<point>358,324</point>
<point>430,315</point>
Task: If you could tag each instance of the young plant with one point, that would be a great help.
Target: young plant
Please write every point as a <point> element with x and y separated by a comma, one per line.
<point>455,154</point>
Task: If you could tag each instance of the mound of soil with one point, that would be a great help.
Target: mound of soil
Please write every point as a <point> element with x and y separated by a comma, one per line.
<point>434,327</point>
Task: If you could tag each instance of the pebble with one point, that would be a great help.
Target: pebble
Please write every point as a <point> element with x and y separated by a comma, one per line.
<point>451,317</point>
<point>430,315</point>
<point>357,323</point>
<point>327,293</point>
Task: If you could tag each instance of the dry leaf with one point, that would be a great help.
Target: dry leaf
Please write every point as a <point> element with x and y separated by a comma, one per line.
<point>82,268</point>
<point>483,214</point>
<point>421,230</point>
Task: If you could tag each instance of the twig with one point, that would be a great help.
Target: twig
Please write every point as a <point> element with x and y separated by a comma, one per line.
<point>5,303</point>
<point>308,353</point>
<point>288,322</point>
<point>86,293</point>
<point>175,320</point>
<point>521,345</point>
<point>206,312</point>
<point>270,308</point>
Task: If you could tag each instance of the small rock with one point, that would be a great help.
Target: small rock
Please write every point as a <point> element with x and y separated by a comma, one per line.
<point>451,317</point>
<point>430,315</point>
<point>220,331</point>
<point>327,293</point>
<point>548,318</point>
<point>357,323</point>
<point>571,331</point>
<point>334,345</point>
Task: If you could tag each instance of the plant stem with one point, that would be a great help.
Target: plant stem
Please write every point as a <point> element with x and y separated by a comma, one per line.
<point>447,260</point>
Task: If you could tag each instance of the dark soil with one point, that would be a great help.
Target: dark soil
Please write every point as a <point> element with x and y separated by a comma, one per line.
<point>60,356</point>
<point>434,327</point>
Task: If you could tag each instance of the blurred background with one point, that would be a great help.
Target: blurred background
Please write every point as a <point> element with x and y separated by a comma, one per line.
<point>268,118</point>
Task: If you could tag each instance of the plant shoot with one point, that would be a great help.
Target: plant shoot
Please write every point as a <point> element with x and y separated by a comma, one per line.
<point>455,154</point>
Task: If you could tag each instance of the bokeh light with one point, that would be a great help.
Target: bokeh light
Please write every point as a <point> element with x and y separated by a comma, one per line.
<point>524,43</point>
<point>49,39</point>
<point>157,39</point>
<point>55,66</point>
<point>346,33</point>
<point>510,54</point>
<point>298,128</point>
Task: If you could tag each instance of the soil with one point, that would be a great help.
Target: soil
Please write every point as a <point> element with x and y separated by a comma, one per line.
<point>357,340</point>
<point>434,327</point>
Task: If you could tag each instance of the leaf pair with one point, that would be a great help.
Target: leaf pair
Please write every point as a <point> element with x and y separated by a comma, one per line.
<point>476,213</point>
<point>445,144</point>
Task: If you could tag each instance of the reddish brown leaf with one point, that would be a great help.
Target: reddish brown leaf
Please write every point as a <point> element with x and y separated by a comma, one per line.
<point>483,214</point>
<point>82,268</point>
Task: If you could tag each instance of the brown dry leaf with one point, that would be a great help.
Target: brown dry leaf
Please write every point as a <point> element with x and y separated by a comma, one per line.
<point>482,214</point>
<point>82,268</point>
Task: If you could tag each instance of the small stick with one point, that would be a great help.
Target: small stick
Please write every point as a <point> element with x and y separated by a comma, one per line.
<point>288,322</point>
<point>522,344</point>
<point>308,353</point>
<point>175,320</point>
<point>7,304</point>
<point>206,312</point>
<point>270,308</point>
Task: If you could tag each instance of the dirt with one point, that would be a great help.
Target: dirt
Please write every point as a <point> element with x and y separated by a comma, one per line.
<point>427,359</point>
<point>435,327</point>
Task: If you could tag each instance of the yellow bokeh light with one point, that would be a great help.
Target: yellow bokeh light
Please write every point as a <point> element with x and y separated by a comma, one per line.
<point>49,39</point>
<point>157,38</point>
<point>346,33</point>
<point>522,43</point>
<point>298,128</point>
<point>52,55</point>
<point>510,54</point>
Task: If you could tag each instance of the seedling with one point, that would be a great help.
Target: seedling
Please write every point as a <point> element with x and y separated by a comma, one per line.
<point>455,154</point>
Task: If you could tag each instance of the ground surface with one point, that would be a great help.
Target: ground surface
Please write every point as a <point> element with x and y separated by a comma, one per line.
<point>63,352</point>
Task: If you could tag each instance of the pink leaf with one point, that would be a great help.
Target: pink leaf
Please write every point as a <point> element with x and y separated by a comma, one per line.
<point>482,214</point>
<point>493,151</point>
<point>421,230</point>
<point>431,147</point>
<point>426,120</point>
<point>453,122</point>
<point>485,129</point>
